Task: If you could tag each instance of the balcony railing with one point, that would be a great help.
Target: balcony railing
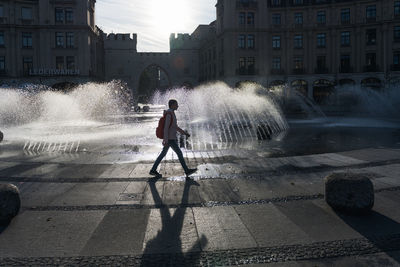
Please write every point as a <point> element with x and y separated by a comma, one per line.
<point>277,71</point>
<point>321,70</point>
<point>299,71</point>
<point>247,72</point>
<point>346,69</point>
<point>371,68</point>
<point>250,4</point>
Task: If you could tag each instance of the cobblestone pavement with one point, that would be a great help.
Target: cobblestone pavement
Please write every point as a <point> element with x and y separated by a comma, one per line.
<point>273,212</point>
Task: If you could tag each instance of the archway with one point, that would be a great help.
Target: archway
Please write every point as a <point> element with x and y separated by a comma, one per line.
<point>372,83</point>
<point>322,89</point>
<point>301,86</point>
<point>152,78</point>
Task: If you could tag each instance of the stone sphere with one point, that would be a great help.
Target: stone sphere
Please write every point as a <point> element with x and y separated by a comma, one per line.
<point>146,108</point>
<point>10,202</point>
<point>349,192</point>
<point>1,136</point>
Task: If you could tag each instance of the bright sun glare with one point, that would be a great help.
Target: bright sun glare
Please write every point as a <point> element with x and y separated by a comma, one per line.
<point>169,16</point>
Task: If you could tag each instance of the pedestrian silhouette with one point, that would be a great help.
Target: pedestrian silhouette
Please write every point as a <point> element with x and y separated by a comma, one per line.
<point>165,249</point>
<point>168,133</point>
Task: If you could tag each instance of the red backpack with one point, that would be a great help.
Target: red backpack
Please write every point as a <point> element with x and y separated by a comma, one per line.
<point>161,124</point>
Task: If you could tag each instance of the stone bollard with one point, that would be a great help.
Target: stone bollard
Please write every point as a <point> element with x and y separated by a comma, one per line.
<point>349,192</point>
<point>146,108</point>
<point>1,136</point>
<point>9,202</point>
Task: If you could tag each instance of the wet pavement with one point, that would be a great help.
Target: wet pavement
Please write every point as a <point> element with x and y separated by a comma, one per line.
<point>87,199</point>
<point>237,210</point>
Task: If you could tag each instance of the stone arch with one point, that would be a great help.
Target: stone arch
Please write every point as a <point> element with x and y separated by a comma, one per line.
<point>371,83</point>
<point>322,89</point>
<point>146,86</point>
<point>301,86</point>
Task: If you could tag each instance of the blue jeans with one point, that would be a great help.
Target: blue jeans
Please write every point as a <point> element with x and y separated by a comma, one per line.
<point>174,145</point>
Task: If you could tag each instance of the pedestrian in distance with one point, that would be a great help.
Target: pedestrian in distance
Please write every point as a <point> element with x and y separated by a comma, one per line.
<point>166,130</point>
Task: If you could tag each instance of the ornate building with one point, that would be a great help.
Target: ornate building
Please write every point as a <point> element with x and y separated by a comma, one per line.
<point>50,41</point>
<point>310,44</point>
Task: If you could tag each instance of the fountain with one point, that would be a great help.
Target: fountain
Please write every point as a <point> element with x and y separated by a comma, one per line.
<point>98,121</point>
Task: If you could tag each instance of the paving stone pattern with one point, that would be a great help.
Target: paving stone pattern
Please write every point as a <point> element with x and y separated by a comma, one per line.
<point>235,212</point>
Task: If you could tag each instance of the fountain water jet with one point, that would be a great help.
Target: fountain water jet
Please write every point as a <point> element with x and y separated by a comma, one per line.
<point>216,106</point>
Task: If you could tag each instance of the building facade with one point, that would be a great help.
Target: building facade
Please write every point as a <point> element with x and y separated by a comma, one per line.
<point>50,41</point>
<point>310,44</point>
<point>178,68</point>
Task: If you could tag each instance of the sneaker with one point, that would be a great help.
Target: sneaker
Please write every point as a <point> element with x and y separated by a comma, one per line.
<point>190,171</point>
<point>155,173</point>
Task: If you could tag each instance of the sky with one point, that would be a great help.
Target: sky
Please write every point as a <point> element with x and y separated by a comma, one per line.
<point>153,20</point>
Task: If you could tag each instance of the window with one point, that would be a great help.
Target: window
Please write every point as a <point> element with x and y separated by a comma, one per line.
<point>59,13</point>
<point>276,2</point>
<point>345,64</point>
<point>298,18</point>
<point>2,64</point>
<point>60,63</point>
<point>396,33</point>
<point>1,11</point>
<point>250,18</point>
<point>396,59</point>
<point>250,41</point>
<point>276,42</point>
<point>242,64</point>
<point>298,63</point>
<point>371,12</point>
<point>321,40</point>
<point>242,18</point>
<point>321,17</point>
<point>70,40</point>
<point>26,13</point>
<point>370,59</point>
<point>276,19</point>
<point>27,40</point>
<point>321,62</point>
<point>397,8</point>
<point>1,39</point>
<point>298,41</point>
<point>345,39</point>
<point>298,2</point>
<point>69,15</point>
<point>371,36</point>
<point>59,39</point>
<point>71,63</point>
<point>345,61</point>
<point>242,41</point>
<point>276,63</point>
<point>251,63</point>
<point>27,64</point>
<point>345,15</point>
